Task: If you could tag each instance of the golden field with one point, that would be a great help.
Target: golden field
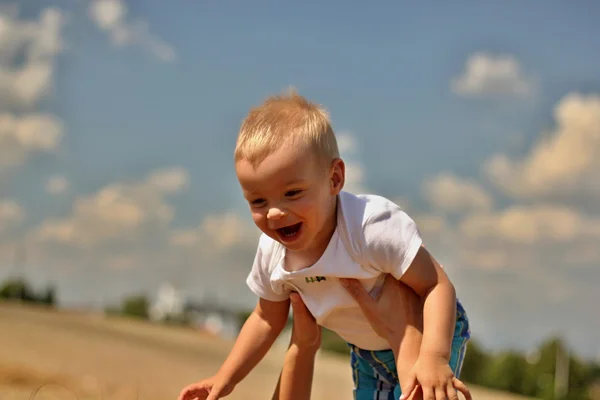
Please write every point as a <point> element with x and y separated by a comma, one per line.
<point>76,355</point>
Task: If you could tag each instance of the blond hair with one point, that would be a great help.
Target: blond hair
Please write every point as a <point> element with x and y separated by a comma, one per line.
<point>283,120</point>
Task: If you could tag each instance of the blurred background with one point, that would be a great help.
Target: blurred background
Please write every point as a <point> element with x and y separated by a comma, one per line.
<point>124,238</point>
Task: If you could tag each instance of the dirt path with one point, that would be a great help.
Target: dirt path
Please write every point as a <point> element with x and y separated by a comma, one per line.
<point>85,352</point>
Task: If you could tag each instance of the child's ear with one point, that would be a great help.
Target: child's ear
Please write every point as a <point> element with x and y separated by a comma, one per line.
<point>338,176</point>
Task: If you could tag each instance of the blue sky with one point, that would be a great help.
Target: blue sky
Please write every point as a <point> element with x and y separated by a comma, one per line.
<point>482,120</point>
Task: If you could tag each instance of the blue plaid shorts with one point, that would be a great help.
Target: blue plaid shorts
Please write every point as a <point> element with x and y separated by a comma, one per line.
<point>374,372</point>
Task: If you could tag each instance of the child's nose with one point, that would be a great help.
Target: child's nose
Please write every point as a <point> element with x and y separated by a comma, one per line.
<point>275,213</point>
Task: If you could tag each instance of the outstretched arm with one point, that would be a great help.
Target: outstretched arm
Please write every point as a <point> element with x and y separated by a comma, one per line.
<point>427,278</point>
<point>257,336</point>
<point>255,339</point>
<point>432,371</point>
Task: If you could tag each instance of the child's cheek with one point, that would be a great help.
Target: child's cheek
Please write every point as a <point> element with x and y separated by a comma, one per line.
<point>258,218</point>
<point>304,206</point>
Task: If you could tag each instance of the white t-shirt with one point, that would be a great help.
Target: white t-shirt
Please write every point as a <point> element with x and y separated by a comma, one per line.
<point>384,239</point>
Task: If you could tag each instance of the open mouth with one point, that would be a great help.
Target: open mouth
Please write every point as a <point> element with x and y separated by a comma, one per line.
<point>289,232</point>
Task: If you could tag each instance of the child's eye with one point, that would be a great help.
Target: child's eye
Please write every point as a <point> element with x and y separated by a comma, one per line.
<point>292,193</point>
<point>257,202</point>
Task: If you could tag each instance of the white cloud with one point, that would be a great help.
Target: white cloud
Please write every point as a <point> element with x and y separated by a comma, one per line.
<point>121,262</point>
<point>170,180</point>
<point>28,51</point>
<point>346,143</point>
<point>11,214</point>
<point>537,235</point>
<point>107,14</point>
<point>355,172</point>
<point>448,192</point>
<point>488,74</point>
<point>57,184</point>
<point>533,224</point>
<point>354,178</point>
<point>430,224</point>
<point>20,136</point>
<point>217,232</point>
<point>117,212</point>
<point>110,16</point>
<point>564,162</point>
<point>38,42</point>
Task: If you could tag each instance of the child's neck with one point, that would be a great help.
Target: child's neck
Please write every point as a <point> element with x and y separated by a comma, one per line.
<point>296,261</point>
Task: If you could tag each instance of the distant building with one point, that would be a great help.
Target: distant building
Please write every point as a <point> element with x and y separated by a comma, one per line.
<point>171,305</point>
<point>214,319</point>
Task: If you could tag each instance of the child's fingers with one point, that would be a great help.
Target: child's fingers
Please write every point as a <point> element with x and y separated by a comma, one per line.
<point>440,393</point>
<point>415,394</point>
<point>196,391</point>
<point>461,387</point>
<point>185,395</point>
<point>451,393</point>
<point>193,394</point>
<point>428,393</point>
<point>409,387</point>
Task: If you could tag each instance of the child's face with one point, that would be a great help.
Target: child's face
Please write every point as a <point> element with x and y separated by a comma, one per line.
<point>292,196</point>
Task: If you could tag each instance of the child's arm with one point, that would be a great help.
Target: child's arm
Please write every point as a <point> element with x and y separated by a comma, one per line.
<point>426,277</point>
<point>255,339</point>
<point>432,371</point>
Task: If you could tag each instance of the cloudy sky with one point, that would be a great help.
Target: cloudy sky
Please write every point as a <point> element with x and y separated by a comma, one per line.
<point>118,121</point>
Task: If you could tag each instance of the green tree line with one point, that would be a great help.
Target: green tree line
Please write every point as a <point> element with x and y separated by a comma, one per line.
<point>18,289</point>
<point>532,375</point>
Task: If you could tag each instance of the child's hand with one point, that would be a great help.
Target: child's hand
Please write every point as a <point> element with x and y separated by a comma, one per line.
<point>212,388</point>
<point>436,379</point>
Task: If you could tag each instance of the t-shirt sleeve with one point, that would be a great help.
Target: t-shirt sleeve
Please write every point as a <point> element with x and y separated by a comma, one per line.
<point>392,239</point>
<point>259,279</point>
